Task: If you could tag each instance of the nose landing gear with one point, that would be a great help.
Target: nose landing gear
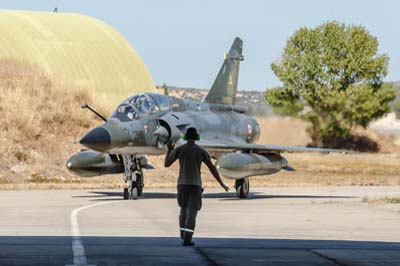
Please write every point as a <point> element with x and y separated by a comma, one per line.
<point>133,177</point>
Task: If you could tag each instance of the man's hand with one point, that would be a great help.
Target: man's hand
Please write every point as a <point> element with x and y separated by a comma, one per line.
<point>215,173</point>
<point>225,187</point>
<point>170,146</point>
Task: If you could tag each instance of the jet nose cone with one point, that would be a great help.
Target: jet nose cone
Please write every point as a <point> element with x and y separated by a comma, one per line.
<point>97,139</point>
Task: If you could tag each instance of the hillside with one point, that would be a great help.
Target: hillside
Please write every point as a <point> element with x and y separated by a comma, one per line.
<point>40,117</point>
<point>254,100</point>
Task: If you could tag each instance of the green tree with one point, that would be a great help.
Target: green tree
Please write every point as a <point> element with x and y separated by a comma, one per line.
<point>333,78</point>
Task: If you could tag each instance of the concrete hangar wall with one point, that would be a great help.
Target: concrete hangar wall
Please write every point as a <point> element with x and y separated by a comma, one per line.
<point>77,48</point>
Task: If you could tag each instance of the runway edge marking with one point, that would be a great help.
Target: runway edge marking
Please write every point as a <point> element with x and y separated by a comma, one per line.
<point>77,247</point>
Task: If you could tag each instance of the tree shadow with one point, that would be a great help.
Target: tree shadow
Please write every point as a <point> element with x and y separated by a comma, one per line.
<point>359,143</point>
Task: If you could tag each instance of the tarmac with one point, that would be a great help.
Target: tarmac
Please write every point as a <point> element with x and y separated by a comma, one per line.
<point>277,226</point>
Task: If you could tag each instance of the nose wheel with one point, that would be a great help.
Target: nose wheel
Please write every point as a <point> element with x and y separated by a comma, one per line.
<point>133,177</point>
<point>135,189</point>
<point>242,188</point>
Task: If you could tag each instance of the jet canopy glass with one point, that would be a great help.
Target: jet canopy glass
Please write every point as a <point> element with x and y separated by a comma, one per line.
<point>141,105</point>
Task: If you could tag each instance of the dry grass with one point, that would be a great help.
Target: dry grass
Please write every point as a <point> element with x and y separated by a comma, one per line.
<point>385,200</point>
<point>283,131</point>
<point>40,118</point>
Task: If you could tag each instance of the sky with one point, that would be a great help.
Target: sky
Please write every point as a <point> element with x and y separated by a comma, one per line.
<point>182,42</point>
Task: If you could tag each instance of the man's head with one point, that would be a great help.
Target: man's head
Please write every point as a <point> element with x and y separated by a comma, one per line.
<point>191,134</point>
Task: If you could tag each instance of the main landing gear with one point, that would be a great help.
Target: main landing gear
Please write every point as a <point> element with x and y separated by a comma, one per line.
<point>133,177</point>
<point>242,188</point>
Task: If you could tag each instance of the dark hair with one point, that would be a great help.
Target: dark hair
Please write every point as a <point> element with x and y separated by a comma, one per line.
<point>191,133</point>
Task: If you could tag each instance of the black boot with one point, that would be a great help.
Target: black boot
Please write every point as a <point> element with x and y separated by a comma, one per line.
<point>187,239</point>
<point>182,231</point>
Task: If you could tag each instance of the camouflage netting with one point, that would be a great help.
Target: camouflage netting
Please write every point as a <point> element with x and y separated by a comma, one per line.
<point>77,48</point>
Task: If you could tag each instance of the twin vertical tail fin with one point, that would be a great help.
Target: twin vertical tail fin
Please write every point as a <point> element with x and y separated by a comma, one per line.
<point>224,89</point>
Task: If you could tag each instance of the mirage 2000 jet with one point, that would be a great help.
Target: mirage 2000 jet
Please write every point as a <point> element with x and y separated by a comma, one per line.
<point>143,124</point>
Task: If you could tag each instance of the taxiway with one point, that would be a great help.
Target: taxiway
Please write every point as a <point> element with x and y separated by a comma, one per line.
<point>276,226</point>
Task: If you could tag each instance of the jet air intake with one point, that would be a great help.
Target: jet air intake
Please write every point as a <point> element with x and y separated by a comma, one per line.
<point>241,165</point>
<point>170,126</point>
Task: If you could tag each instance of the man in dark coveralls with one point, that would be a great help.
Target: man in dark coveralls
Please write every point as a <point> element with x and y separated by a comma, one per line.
<point>189,183</point>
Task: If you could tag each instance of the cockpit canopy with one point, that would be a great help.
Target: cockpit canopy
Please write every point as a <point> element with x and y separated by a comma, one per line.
<point>142,105</point>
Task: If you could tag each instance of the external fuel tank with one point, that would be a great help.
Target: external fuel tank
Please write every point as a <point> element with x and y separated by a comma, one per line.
<point>241,165</point>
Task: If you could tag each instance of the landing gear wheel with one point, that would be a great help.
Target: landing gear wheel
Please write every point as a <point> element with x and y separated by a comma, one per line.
<point>134,193</point>
<point>133,177</point>
<point>126,193</point>
<point>242,188</point>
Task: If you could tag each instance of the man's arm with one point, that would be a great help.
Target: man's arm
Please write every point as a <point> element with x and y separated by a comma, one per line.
<point>172,155</point>
<point>214,171</point>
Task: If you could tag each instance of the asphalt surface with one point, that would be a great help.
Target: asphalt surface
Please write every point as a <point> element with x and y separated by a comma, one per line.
<point>277,226</point>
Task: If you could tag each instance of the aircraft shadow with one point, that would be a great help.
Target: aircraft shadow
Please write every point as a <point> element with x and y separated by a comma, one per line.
<point>105,250</point>
<point>111,195</point>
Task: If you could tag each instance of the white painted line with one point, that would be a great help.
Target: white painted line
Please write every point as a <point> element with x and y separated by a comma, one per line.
<point>77,247</point>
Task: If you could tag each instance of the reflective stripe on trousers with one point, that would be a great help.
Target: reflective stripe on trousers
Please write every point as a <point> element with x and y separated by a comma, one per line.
<point>187,230</point>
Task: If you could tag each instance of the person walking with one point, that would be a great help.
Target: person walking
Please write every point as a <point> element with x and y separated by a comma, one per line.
<point>190,190</point>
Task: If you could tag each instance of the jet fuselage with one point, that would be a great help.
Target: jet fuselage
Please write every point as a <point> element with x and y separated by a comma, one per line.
<point>123,134</point>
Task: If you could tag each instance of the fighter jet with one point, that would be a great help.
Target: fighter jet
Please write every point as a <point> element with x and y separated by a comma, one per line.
<point>143,124</point>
